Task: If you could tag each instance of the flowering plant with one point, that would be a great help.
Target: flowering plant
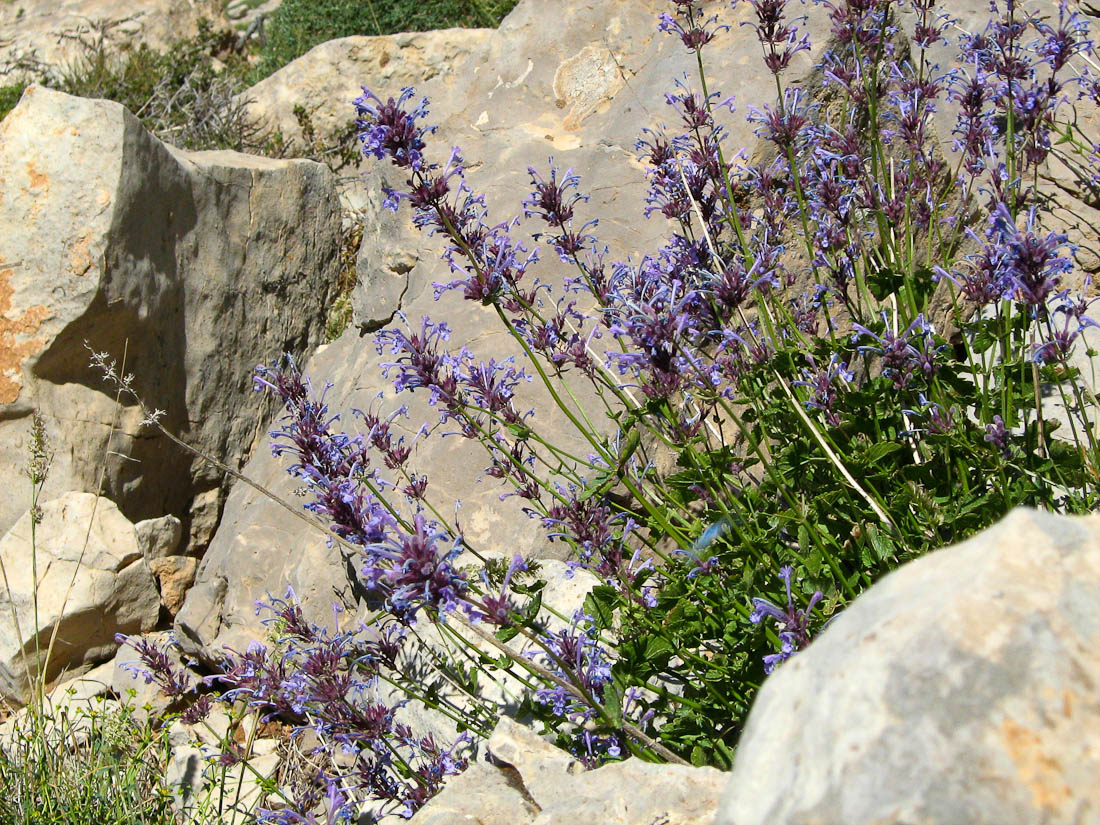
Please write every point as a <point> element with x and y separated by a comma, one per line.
<point>834,364</point>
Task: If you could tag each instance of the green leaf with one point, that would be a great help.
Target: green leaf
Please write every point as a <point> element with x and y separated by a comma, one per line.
<point>884,283</point>
<point>506,634</point>
<point>698,757</point>
<point>613,704</point>
<point>879,451</point>
<point>533,606</point>
<point>657,646</point>
<point>600,604</point>
<point>884,547</point>
<point>520,431</point>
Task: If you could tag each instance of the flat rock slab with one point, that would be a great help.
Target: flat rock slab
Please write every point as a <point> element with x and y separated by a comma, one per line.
<point>530,782</point>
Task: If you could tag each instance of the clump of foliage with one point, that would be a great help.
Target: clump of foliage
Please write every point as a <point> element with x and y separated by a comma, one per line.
<point>9,96</point>
<point>841,346</point>
<point>187,95</point>
<point>73,762</point>
<point>299,25</point>
<point>340,312</point>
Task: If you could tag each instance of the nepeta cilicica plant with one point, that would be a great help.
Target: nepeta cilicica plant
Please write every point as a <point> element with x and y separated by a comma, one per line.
<point>844,288</point>
<point>838,356</point>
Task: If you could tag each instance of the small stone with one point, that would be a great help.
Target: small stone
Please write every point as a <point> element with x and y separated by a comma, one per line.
<point>92,583</point>
<point>159,537</point>
<point>175,575</point>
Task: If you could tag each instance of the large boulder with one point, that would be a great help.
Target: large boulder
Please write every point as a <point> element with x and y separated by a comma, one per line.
<point>188,267</point>
<point>961,688</point>
<point>92,582</point>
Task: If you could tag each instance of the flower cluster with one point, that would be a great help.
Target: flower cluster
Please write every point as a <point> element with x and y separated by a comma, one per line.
<point>844,271</point>
<point>793,621</point>
<point>324,682</point>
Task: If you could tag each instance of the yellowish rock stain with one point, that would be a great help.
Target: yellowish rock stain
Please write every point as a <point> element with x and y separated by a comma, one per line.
<point>15,343</point>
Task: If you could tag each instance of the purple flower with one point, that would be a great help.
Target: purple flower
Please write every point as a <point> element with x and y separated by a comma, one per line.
<point>823,382</point>
<point>413,570</point>
<point>154,664</point>
<point>1033,263</point>
<point>1068,320</point>
<point>1067,38</point>
<point>388,130</point>
<point>940,421</point>
<point>785,126</point>
<point>779,40</point>
<point>904,354</point>
<point>330,463</point>
<point>589,525</point>
<point>422,364</point>
<point>497,609</point>
<point>688,24</point>
<point>998,435</point>
<point>575,656</point>
<point>794,631</point>
<point>553,201</point>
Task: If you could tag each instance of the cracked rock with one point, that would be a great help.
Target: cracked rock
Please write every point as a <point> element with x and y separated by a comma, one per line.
<point>531,782</point>
<point>191,266</point>
<point>82,576</point>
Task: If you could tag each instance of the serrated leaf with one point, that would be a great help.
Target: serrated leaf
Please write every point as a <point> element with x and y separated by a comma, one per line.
<point>877,452</point>
<point>506,634</point>
<point>657,646</point>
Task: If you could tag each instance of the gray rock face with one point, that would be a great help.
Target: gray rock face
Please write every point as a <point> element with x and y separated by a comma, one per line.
<point>92,583</point>
<point>390,61</point>
<point>530,782</point>
<point>960,688</point>
<point>194,266</point>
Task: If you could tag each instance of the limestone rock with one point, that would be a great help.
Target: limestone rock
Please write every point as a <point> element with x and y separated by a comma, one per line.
<point>534,783</point>
<point>52,31</point>
<point>159,537</point>
<point>250,15</point>
<point>184,774</point>
<point>327,78</point>
<point>960,688</point>
<point>92,583</point>
<point>175,575</point>
<point>637,793</point>
<point>95,683</point>
<point>194,265</point>
<point>543,767</point>
<point>480,795</point>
